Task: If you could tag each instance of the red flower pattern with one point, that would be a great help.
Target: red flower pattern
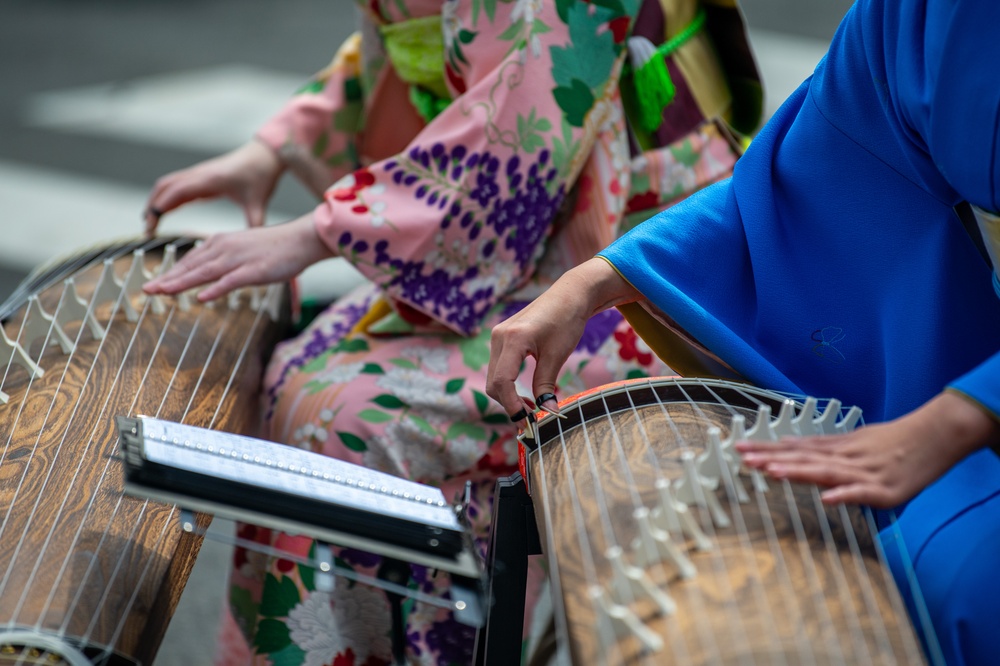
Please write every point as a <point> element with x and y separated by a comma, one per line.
<point>455,79</point>
<point>497,459</point>
<point>619,28</point>
<point>642,201</point>
<point>362,178</point>
<point>629,349</point>
<point>248,533</point>
<point>344,659</point>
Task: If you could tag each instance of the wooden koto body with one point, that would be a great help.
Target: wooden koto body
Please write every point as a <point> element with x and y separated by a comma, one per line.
<point>773,577</point>
<point>82,565</point>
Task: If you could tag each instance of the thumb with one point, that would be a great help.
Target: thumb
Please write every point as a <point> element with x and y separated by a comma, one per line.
<point>254,213</point>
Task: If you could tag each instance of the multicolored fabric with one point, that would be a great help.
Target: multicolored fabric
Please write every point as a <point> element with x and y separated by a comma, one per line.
<point>458,223</point>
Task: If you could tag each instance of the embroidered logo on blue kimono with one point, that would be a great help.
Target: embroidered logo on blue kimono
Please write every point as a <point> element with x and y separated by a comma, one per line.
<point>825,339</point>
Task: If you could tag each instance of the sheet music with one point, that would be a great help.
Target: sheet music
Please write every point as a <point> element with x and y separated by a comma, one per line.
<point>294,471</point>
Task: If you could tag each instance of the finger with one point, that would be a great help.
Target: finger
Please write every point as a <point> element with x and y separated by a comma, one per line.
<point>179,191</point>
<point>527,424</point>
<point>749,447</point>
<point>151,217</point>
<point>819,473</point>
<point>762,456</point>
<point>799,443</point>
<point>505,361</point>
<point>190,261</point>
<point>181,278</point>
<point>860,493</point>
<point>547,369</point>
<point>254,214</point>
<point>549,403</point>
<point>158,187</point>
<point>233,279</point>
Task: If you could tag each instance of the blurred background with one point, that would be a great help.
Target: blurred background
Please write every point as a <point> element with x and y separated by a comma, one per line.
<point>101,97</point>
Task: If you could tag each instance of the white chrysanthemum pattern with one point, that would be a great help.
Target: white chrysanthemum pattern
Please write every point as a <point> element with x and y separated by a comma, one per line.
<point>323,626</point>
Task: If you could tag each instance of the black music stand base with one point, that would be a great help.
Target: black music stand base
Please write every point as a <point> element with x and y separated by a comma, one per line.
<point>397,572</point>
<point>514,536</point>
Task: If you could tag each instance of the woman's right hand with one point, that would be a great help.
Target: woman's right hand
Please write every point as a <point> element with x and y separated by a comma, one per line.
<point>246,175</point>
<point>550,328</point>
<point>228,261</point>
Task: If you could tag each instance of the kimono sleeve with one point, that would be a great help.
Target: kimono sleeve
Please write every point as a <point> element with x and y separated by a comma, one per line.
<point>460,216</point>
<point>314,132</point>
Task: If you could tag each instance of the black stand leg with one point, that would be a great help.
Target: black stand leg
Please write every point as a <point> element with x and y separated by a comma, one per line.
<point>394,571</point>
<point>514,536</point>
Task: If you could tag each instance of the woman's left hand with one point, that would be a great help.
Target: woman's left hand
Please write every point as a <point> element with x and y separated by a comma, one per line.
<point>229,261</point>
<point>885,464</point>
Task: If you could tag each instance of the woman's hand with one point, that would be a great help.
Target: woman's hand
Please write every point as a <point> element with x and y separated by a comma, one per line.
<point>253,256</point>
<point>246,175</point>
<point>549,330</point>
<point>885,464</point>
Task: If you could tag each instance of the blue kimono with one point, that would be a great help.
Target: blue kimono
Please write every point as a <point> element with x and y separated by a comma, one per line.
<point>833,264</point>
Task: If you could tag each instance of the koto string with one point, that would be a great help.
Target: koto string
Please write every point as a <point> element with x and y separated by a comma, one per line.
<point>45,344</point>
<point>836,564</point>
<point>52,466</point>
<point>610,536</point>
<point>268,295</point>
<point>110,459</point>
<point>3,583</point>
<point>121,495</point>
<point>930,636</point>
<point>739,520</point>
<point>878,624</point>
<point>211,355</point>
<point>676,639</point>
<point>49,476</point>
<point>693,591</point>
<point>233,371</point>
<point>17,417</point>
<point>871,609</point>
<point>736,510</point>
<point>607,635</point>
<point>806,653</point>
<point>558,608</point>
<point>819,600</point>
<point>806,555</point>
<point>721,572</point>
<point>145,504</point>
<point>31,458</point>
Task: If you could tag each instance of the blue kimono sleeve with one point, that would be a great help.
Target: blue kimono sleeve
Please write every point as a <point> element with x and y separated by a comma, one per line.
<point>982,385</point>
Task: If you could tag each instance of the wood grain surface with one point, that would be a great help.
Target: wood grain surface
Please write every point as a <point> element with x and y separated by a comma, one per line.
<point>77,557</point>
<point>788,582</point>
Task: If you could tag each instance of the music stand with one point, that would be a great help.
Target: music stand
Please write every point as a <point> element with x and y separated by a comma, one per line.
<point>210,472</point>
<point>513,537</point>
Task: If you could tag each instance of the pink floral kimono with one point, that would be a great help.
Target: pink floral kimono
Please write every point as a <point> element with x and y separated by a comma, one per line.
<point>461,189</point>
